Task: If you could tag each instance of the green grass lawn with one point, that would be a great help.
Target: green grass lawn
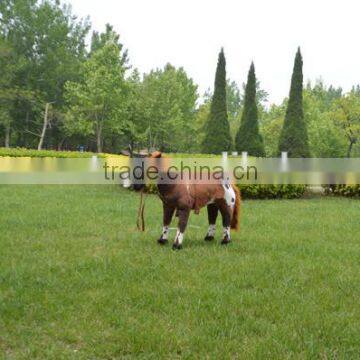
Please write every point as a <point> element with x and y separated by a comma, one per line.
<point>77,280</point>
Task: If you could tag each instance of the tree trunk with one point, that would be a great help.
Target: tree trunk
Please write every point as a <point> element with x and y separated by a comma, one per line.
<point>60,144</point>
<point>98,139</point>
<point>350,148</point>
<point>7,136</point>
<point>45,124</point>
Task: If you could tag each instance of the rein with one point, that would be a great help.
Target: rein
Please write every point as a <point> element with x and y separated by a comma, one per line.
<point>140,222</point>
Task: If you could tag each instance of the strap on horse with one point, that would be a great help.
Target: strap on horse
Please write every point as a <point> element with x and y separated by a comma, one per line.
<point>140,222</point>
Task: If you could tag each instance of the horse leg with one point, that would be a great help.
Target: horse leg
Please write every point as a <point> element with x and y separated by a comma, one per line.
<point>167,216</point>
<point>225,211</point>
<point>212,210</point>
<point>183,219</point>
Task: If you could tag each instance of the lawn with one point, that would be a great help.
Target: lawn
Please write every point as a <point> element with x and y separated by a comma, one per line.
<point>77,280</point>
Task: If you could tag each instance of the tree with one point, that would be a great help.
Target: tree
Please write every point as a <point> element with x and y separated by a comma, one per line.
<point>10,92</point>
<point>346,115</point>
<point>217,136</point>
<point>168,101</point>
<point>233,105</point>
<point>271,126</point>
<point>294,137</point>
<point>325,139</point>
<point>99,40</point>
<point>48,43</point>
<point>7,91</point>
<point>97,104</point>
<point>248,137</point>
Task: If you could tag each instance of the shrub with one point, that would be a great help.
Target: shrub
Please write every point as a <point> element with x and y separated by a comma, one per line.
<point>343,190</point>
<point>259,191</point>
<point>22,152</point>
<point>272,191</point>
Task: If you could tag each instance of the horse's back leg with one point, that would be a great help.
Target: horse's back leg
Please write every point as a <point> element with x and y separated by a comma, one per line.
<point>225,211</point>
<point>168,213</point>
<point>183,220</point>
<point>212,210</point>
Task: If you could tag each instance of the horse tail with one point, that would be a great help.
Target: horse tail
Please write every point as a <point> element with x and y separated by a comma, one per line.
<point>236,212</point>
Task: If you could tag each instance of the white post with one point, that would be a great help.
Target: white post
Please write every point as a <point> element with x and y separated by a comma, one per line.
<point>224,155</point>
<point>94,163</point>
<point>244,158</point>
<point>284,155</point>
<point>284,161</point>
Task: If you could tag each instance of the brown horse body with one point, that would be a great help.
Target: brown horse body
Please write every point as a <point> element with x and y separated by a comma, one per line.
<point>183,197</point>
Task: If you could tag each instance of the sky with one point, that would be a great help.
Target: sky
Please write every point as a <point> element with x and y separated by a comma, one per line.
<point>190,33</point>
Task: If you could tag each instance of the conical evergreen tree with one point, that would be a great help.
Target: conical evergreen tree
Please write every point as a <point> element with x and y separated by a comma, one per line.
<point>294,137</point>
<point>248,137</point>
<point>217,131</point>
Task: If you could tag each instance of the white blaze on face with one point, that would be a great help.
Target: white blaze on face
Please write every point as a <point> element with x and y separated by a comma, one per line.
<point>165,232</point>
<point>211,230</point>
<point>229,195</point>
<point>179,237</point>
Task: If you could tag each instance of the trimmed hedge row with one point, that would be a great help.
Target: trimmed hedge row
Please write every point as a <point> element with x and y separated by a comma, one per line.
<point>343,190</point>
<point>272,191</point>
<point>260,191</point>
<point>247,191</point>
<point>22,152</point>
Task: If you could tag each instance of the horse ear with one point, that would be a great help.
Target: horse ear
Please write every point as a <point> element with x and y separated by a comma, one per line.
<point>156,154</point>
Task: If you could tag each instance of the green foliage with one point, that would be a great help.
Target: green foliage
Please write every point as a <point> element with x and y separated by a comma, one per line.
<point>233,101</point>
<point>217,136</point>
<point>346,114</point>
<point>234,108</point>
<point>248,137</point>
<point>270,127</point>
<point>47,44</point>
<point>259,191</point>
<point>96,102</point>
<point>344,190</point>
<point>44,60</point>
<point>201,119</point>
<point>325,139</point>
<point>10,92</point>
<point>166,109</point>
<point>272,191</point>
<point>294,137</point>
<point>99,40</point>
<point>21,152</point>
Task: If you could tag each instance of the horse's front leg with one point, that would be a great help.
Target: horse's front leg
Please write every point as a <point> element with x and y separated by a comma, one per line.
<point>212,210</point>
<point>225,211</point>
<point>183,220</point>
<point>168,212</point>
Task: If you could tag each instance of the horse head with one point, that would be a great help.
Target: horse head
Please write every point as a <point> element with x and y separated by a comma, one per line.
<point>137,159</point>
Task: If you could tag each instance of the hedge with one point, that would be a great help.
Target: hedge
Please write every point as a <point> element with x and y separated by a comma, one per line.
<point>247,191</point>
<point>260,191</point>
<point>22,152</point>
<point>343,190</point>
<point>272,191</point>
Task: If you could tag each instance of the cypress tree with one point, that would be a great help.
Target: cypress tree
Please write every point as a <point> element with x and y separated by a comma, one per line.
<point>294,137</point>
<point>217,130</point>
<point>248,137</point>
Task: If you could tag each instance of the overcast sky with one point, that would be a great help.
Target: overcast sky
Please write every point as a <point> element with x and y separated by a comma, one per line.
<point>189,33</point>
